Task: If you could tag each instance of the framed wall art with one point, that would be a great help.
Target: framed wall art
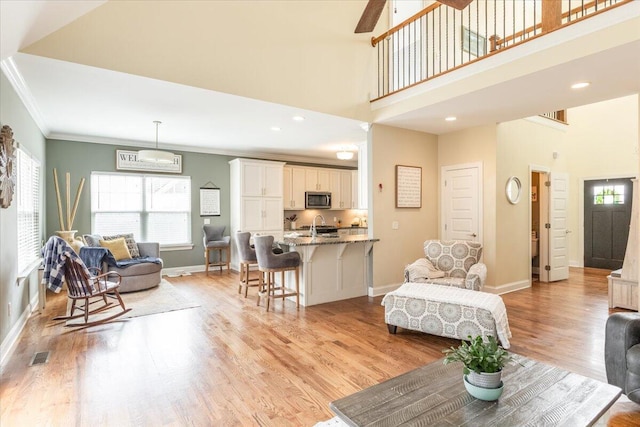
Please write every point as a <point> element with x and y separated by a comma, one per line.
<point>209,200</point>
<point>408,186</point>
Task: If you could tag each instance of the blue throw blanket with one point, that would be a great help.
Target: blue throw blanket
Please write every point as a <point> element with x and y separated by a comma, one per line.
<point>55,253</point>
<point>95,256</point>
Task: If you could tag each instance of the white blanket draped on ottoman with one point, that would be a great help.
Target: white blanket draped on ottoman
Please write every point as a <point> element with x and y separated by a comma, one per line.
<point>447,311</point>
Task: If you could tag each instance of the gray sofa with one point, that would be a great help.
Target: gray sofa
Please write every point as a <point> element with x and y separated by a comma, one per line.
<point>622,353</point>
<point>141,276</point>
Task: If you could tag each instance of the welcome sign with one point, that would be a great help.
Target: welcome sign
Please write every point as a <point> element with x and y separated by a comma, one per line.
<point>128,160</point>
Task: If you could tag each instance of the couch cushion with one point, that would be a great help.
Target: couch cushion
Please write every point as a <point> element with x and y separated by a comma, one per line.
<point>454,257</point>
<point>132,246</point>
<point>137,269</point>
<point>118,248</point>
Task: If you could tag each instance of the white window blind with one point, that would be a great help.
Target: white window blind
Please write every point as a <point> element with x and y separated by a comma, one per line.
<point>28,201</point>
<point>153,208</point>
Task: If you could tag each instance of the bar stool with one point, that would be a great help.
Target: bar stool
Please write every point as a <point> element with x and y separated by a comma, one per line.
<point>248,258</point>
<point>270,263</point>
<point>215,240</point>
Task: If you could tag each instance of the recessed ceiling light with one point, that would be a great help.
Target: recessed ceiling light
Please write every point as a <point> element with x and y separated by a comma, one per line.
<point>275,128</point>
<point>298,118</point>
<point>580,85</point>
<point>451,119</point>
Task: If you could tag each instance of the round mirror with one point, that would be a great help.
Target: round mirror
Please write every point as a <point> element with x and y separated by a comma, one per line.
<point>513,190</point>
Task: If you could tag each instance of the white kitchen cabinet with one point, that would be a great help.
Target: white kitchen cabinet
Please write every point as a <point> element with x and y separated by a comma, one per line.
<point>317,179</point>
<point>256,196</point>
<point>340,187</point>
<point>355,196</point>
<point>294,178</point>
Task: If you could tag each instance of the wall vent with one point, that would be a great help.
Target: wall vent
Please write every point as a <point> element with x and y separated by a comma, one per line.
<point>40,358</point>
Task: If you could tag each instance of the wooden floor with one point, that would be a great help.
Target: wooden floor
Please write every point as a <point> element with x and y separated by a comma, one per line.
<point>228,362</point>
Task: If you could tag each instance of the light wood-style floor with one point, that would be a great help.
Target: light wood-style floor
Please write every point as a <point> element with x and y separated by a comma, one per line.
<point>228,362</point>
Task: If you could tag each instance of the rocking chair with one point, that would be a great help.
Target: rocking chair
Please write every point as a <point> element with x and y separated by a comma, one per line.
<point>81,286</point>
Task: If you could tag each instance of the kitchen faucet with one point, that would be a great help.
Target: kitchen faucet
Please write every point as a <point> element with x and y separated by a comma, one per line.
<point>314,232</point>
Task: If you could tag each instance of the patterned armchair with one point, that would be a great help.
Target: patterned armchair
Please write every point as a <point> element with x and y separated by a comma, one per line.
<point>449,263</point>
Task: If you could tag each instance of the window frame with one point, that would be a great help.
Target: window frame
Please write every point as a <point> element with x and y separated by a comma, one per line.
<point>30,257</point>
<point>144,212</point>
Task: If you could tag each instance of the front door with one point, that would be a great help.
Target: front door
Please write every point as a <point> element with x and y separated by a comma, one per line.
<point>461,202</point>
<point>607,214</point>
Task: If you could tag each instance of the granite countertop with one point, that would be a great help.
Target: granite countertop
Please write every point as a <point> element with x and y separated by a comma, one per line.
<point>308,241</point>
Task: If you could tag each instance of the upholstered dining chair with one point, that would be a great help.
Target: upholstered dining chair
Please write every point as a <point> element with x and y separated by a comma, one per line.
<point>215,240</point>
<point>270,263</point>
<point>248,258</point>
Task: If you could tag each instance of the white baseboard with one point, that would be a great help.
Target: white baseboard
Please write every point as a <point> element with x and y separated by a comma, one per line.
<point>574,263</point>
<point>9,343</point>
<point>382,290</point>
<point>509,287</point>
<point>180,271</point>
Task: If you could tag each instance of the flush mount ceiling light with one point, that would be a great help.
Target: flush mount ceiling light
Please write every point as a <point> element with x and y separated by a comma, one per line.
<point>451,118</point>
<point>156,156</point>
<point>346,152</point>
<point>580,85</point>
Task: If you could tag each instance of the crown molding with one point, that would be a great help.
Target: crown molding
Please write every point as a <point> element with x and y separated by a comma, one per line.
<point>193,149</point>
<point>16,80</point>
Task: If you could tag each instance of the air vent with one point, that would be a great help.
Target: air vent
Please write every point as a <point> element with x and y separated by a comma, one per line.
<point>40,358</point>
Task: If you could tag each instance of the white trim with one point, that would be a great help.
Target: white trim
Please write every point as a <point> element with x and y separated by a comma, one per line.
<point>179,271</point>
<point>445,169</point>
<point>576,263</point>
<point>544,121</point>
<point>509,287</point>
<point>27,271</point>
<point>10,70</point>
<point>9,343</point>
<point>382,290</point>
<point>169,248</point>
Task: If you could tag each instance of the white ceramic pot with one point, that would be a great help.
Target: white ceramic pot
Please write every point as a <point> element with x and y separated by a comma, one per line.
<point>484,379</point>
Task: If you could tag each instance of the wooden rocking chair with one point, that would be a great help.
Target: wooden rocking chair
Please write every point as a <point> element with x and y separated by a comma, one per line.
<point>80,286</point>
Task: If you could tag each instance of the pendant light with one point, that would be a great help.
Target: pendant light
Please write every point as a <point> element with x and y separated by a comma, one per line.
<point>156,156</point>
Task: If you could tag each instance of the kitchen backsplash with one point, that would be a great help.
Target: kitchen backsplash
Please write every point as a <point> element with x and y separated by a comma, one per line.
<point>331,217</point>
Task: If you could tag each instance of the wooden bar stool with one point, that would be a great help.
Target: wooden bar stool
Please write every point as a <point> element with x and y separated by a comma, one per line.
<point>270,263</point>
<point>215,240</point>
<point>248,258</point>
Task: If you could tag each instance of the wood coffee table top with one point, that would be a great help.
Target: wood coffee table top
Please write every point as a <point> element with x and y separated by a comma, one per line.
<point>534,393</point>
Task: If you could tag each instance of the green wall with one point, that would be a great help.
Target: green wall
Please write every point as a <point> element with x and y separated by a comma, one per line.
<point>80,159</point>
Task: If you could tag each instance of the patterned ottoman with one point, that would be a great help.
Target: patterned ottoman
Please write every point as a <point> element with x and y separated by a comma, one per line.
<point>446,311</point>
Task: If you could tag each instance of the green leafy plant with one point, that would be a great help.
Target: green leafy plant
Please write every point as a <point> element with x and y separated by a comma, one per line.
<point>291,218</point>
<point>479,355</point>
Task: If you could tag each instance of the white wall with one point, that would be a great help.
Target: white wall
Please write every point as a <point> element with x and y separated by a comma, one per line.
<point>390,147</point>
<point>601,142</point>
<point>18,294</point>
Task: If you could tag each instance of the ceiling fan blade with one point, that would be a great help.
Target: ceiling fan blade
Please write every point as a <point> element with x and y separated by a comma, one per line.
<point>456,4</point>
<point>370,16</point>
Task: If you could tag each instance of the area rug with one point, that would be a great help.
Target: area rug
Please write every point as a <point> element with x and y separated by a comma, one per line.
<point>161,299</point>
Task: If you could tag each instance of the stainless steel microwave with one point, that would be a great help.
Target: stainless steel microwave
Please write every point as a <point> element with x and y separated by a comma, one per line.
<point>317,200</point>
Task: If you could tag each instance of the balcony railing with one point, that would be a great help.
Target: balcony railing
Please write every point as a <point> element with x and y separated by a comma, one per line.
<point>440,39</point>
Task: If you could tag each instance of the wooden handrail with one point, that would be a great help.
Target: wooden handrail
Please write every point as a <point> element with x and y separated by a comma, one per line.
<point>501,41</point>
<point>376,40</point>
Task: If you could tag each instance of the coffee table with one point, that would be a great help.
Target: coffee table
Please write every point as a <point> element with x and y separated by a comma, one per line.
<point>534,393</point>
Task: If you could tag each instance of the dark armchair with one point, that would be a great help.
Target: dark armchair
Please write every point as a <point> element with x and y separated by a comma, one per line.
<point>622,353</point>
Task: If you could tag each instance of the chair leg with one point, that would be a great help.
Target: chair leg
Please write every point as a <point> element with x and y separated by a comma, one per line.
<point>229,259</point>
<point>206,261</point>
<point>247,278</point>
<point>260,285</point>
<point>269,290</point>
<point>241,277</point>
<point>297,288</point>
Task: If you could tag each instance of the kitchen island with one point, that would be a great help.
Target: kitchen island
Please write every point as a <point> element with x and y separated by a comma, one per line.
<point>333,268</point>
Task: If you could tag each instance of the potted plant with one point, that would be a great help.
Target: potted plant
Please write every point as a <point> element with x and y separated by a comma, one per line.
<point>292,221</point>
<point>483,361</point>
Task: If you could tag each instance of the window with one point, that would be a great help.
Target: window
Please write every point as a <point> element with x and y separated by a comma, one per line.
<point>28,201</point>
<point>154,208</point>
<point>608,195</point>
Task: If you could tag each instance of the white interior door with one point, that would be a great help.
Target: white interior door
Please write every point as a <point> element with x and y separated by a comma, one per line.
<point>461,198</point>
<point>558,245</point>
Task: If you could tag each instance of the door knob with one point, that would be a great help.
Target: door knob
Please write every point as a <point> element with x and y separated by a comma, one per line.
<point>474,235</point>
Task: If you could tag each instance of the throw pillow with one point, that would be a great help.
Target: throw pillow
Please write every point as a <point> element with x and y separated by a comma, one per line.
<point>118,248</point>
<point>131,243</point>
<point>92,240</point>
